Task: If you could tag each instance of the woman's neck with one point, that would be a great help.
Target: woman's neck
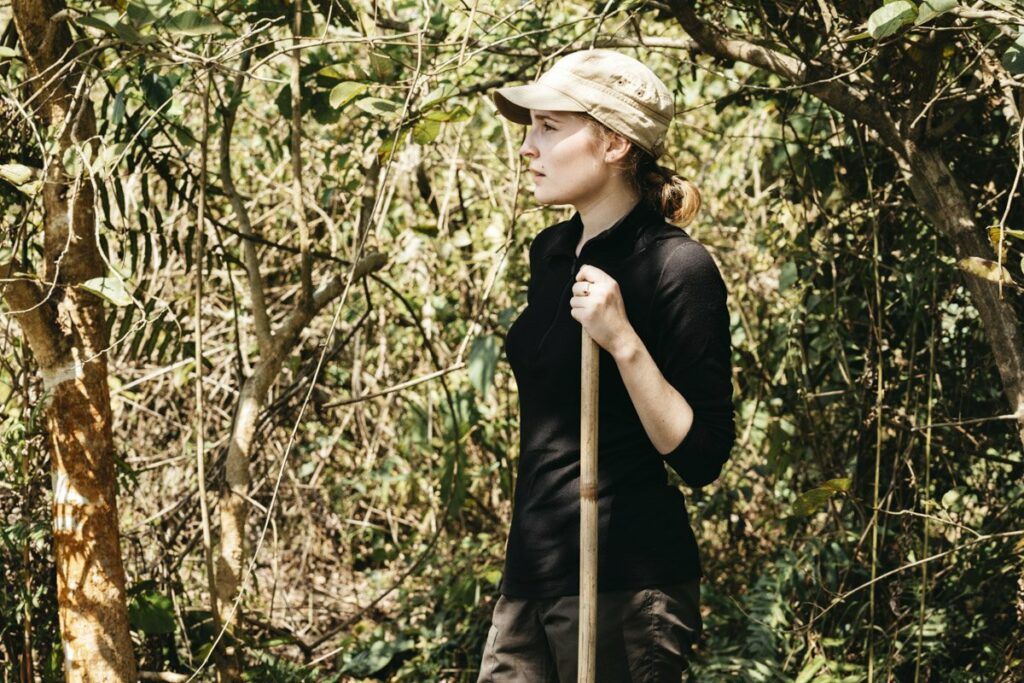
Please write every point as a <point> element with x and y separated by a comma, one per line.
<point>604,211</point>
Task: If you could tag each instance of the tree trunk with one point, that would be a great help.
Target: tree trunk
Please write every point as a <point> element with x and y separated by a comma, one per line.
<point>90,575</point>
<point>234,510</point>
<point>234,499</point>
<point>944,204</point>
<point>65,328</point>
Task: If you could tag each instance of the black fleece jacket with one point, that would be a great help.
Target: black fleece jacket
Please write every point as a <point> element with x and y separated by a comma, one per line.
<point>675,299</point>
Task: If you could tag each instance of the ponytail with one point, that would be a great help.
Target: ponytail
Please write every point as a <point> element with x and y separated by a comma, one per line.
<point>670,194</point>
<point>675,197</point>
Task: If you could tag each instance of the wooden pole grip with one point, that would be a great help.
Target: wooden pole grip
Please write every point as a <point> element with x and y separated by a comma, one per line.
<point>587,654</point>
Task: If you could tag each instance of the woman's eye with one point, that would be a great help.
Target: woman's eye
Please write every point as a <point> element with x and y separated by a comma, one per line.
<point>545,126</point>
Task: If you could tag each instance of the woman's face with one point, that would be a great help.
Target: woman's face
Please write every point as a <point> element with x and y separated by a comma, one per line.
<point>569,156</point>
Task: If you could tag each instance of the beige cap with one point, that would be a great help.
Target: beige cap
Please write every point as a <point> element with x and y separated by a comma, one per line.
<point>617,90</point>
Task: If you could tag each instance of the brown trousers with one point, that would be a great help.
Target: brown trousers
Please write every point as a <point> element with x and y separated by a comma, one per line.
<point>643,636</point>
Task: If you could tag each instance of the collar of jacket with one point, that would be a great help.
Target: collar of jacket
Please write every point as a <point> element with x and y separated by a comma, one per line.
<point>619,239</point>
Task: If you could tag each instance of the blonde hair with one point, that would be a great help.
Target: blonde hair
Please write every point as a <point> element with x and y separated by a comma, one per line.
<point>675,197</point>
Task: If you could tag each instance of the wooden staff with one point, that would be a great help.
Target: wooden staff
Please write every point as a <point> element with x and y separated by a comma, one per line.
<point>587,654</point>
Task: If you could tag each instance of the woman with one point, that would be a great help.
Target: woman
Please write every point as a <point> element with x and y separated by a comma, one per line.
<point>653,300</point>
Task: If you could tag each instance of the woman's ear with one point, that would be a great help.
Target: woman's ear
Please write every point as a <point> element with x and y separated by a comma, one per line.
<point>616,148</point>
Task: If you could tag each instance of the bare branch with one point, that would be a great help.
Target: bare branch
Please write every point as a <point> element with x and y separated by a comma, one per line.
<point>264,335</point>
<point>36,315</point>
<point>292,326</point>
<point>840,96</point>
<point>298,207</point>
<point>923,86</point>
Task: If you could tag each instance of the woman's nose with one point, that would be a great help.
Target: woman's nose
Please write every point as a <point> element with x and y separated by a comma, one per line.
<point>527,148</point>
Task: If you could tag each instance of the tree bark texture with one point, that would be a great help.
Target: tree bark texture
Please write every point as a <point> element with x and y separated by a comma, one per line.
<point>941,200</point>
<point>65,327</point>
<point>234,510</point>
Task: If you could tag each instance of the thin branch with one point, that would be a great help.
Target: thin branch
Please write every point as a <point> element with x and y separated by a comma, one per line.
<point>397,387</point>
<point>298,208</point>
<point>200,428</point>
<point>264,335</point>
<point>910,565</point>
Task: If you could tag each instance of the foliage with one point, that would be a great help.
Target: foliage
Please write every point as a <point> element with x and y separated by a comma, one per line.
<point>378,527</point>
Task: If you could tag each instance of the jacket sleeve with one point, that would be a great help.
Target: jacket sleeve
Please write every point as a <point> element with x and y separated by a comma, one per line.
<point>693,349</point>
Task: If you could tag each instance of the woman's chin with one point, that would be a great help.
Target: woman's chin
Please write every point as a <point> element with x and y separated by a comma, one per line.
<point>541,196</point>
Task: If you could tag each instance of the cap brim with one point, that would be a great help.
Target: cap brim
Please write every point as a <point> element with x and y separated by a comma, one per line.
<point>515,103</point>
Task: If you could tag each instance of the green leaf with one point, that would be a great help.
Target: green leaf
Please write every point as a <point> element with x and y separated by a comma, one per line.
<point>319,103</point>
<point>343,93</point>
<point>438,95</point>
<point>7,52</point>
<point>456,113</point>
<point>429,229</point>
<point>811,501</point>
<point>993,234</point>
<point>382,65</point>
<point>863,35</point>
<point>103,19</point>
<point>284,100</point>
<point>787,275</point>
<point>930,9</point>
<point>379,107</point>
<point>952,500</point>
<point>117,115</point>
<point>193,23</point>
<point>331,71</point>
<point>483,359</point>
<point>890,18</point>
<point>152,613</point>
<point>813,667</point>
<point>376,657</point>
<point>130,34</point>
<point>156,88</point>
<point>107,159</point>
<point>985,269</point>
<point>1013,58</point>
<point>389,148</point>
<point>109,288</point>
<point>22,177</point>
<point>838,485</point>
<point>75,158</point>
<point>426,131</point>
<point>140,14</point>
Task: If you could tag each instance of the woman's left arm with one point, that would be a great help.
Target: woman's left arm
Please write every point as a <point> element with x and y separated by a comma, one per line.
<point>681,387</point>
<point>666,416</point>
